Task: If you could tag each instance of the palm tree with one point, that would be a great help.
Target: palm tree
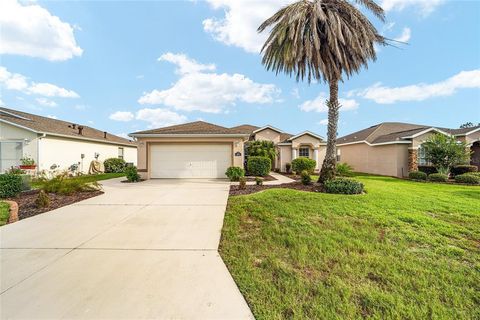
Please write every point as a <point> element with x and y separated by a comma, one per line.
<point>322,40</point>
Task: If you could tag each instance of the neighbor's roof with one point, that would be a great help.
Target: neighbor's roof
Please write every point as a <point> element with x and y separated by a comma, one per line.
<point>50,126</point>
<point>197,127</point>
<point>388,132</point>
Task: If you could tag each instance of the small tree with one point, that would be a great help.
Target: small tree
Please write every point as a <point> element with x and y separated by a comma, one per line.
<point>468,125</point>
<point>262,148</point>
<point>445,151</point>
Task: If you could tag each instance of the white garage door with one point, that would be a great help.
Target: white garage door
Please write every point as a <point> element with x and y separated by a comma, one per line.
<point>190,160</point>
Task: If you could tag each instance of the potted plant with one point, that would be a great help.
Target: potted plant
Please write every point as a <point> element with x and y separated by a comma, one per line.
<point>27,163</point>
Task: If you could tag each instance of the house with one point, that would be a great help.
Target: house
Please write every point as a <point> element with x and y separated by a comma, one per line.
<point>50,142</point>
<point>204,150</point>
<point>394,149</point>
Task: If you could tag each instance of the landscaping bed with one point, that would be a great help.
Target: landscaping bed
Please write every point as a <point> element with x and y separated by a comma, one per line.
<point>27,207</point>
<point>249,189</point>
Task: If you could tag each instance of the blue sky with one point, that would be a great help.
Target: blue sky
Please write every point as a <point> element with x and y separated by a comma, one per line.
<point>128,66</point>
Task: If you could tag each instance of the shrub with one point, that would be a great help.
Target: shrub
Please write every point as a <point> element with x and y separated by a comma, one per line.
<point>258,166</point>
<point>10,185</point>
<point>262,148</point>
<point>467,178</point>
<point>234,173</point>
<point>62,184</point>
<point>259,181</point>
<point>306,178</point>
<point>344,170</point>
<point>427,169</point>
<point>43,200</point>
<point>462,169</point>
<point>26,182</point>
<point>132,174</point>
<point>437,177</point>
<point>243,183</point>
<point>343,186</point>
<point>443,152</point>
<point>417,175</point>
<point>14,170</point>
<point>114,165</point>
<point>300,164</point>
<point>288,167</point>
<point>476,174</point>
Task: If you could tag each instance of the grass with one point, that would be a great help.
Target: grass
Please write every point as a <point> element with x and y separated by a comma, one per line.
<point>403,250</point>
<point>4,213</point>
<point>88,178</point>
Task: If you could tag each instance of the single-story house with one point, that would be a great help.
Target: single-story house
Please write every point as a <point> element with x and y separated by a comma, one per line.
<point>394,149</point>
<point>204,150</point>
<point>55,143</point>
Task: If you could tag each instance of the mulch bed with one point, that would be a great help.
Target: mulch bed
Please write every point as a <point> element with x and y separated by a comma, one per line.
<point>266,178</point>
<point>249,189</point>
<point>26,201</point>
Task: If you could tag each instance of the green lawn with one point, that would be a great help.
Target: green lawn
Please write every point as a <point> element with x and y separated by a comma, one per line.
<point>4,213</point>
<point>404,250</point>
<point>89,178</point>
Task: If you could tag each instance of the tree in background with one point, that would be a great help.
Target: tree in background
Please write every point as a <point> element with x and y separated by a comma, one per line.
<point>323,40</point>
<point>445,151</point>
<point>468,125</point>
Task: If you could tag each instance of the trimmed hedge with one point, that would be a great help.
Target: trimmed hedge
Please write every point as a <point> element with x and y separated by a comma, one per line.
<point>10,185</point>
<point>437,177</point>
<point>234,173</point>
<point>467,178</point>
<point>258,166</point>
<point>427,169</point>
<point>462,169</point>
<point>306,178</point>
<point>343,186</point>
<point>114,165</point>
<point>417,175</point>
<point>300,164</point>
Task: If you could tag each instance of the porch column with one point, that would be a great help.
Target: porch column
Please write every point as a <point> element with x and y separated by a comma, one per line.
<point>294,153</point>
<point>412,159</point>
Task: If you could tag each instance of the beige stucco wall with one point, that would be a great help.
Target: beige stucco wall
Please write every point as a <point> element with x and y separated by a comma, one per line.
<point>143,154</point>
<point>388,160</point>
<point>313,143</point>
<point>471,138</point>
<point>64,152</point>
<point>417,141</point>
<point>285,156</point>
<point>269,135</point>
<point>15,134</point>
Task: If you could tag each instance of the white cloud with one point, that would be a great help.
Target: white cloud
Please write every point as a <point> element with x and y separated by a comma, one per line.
<point>30,30</point>
<point>210,92</point>
<point>16,81</point>
<point>160,117</point>
<point>185,65</point>
<point>52,117</point>
<point>122,116</point>
<point>46,103</point>
<point>51,90</point>
<point>239,25</point>
<point>319,104</point>
<point>425,6</point>
<point>323,122</point>
<point>405,36</point>
<point>419,92</point>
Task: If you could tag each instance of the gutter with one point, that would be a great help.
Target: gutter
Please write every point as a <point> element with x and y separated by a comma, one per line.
<point>178,135</point>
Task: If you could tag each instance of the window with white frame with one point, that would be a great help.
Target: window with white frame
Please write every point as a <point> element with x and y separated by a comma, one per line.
<point>339,155</point>
<point>10,154</point>
<point>120,153</point>
<point>304,152</point>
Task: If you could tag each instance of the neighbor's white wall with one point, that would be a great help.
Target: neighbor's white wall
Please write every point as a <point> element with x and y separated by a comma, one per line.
<point>65,152</point>
<point>29,138</point>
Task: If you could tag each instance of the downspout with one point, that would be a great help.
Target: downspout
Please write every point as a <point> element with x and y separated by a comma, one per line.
<point>38,150</point>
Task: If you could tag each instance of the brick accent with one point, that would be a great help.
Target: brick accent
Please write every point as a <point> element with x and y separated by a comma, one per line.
<point>412,160</point>
<point>13,211</point>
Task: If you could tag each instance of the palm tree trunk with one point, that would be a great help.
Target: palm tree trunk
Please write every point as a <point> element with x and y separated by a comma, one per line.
<point>330,161</point>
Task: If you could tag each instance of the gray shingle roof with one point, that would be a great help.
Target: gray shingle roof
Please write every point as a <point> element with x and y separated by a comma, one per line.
<point>53,126</point>
<point>197,127</point>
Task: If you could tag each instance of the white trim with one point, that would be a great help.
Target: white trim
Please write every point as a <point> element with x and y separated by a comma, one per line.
<point>15,115</point>
<point>268,127</point>
<point>304,133</point>
<point>179,135</point>
<point>284,144</point>
<point>374,144</point>
<point>426,131</point>
<point>467,133</point>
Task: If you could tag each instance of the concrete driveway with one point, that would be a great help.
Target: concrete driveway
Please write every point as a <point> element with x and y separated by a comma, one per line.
<point>146,250</point>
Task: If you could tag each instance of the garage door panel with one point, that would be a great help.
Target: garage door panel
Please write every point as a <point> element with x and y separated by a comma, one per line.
<point>190,160</point>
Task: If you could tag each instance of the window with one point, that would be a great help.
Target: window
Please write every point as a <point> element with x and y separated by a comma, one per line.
<point>120,153</point>
<point>422,157</point>
<point>10,154</point>
<point>339,155</point>
<point>304,152</point>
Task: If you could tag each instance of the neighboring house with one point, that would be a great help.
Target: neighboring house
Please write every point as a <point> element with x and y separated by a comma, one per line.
<point>54,142</point>
<point>204,150</point>
<point>394,149</point>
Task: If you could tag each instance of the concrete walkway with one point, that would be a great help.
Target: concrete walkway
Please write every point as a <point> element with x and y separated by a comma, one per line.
<point>146,250</point>
<point>281,179</point>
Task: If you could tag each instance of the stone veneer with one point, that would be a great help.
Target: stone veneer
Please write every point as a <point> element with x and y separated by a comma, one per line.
<point>412,160</point>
